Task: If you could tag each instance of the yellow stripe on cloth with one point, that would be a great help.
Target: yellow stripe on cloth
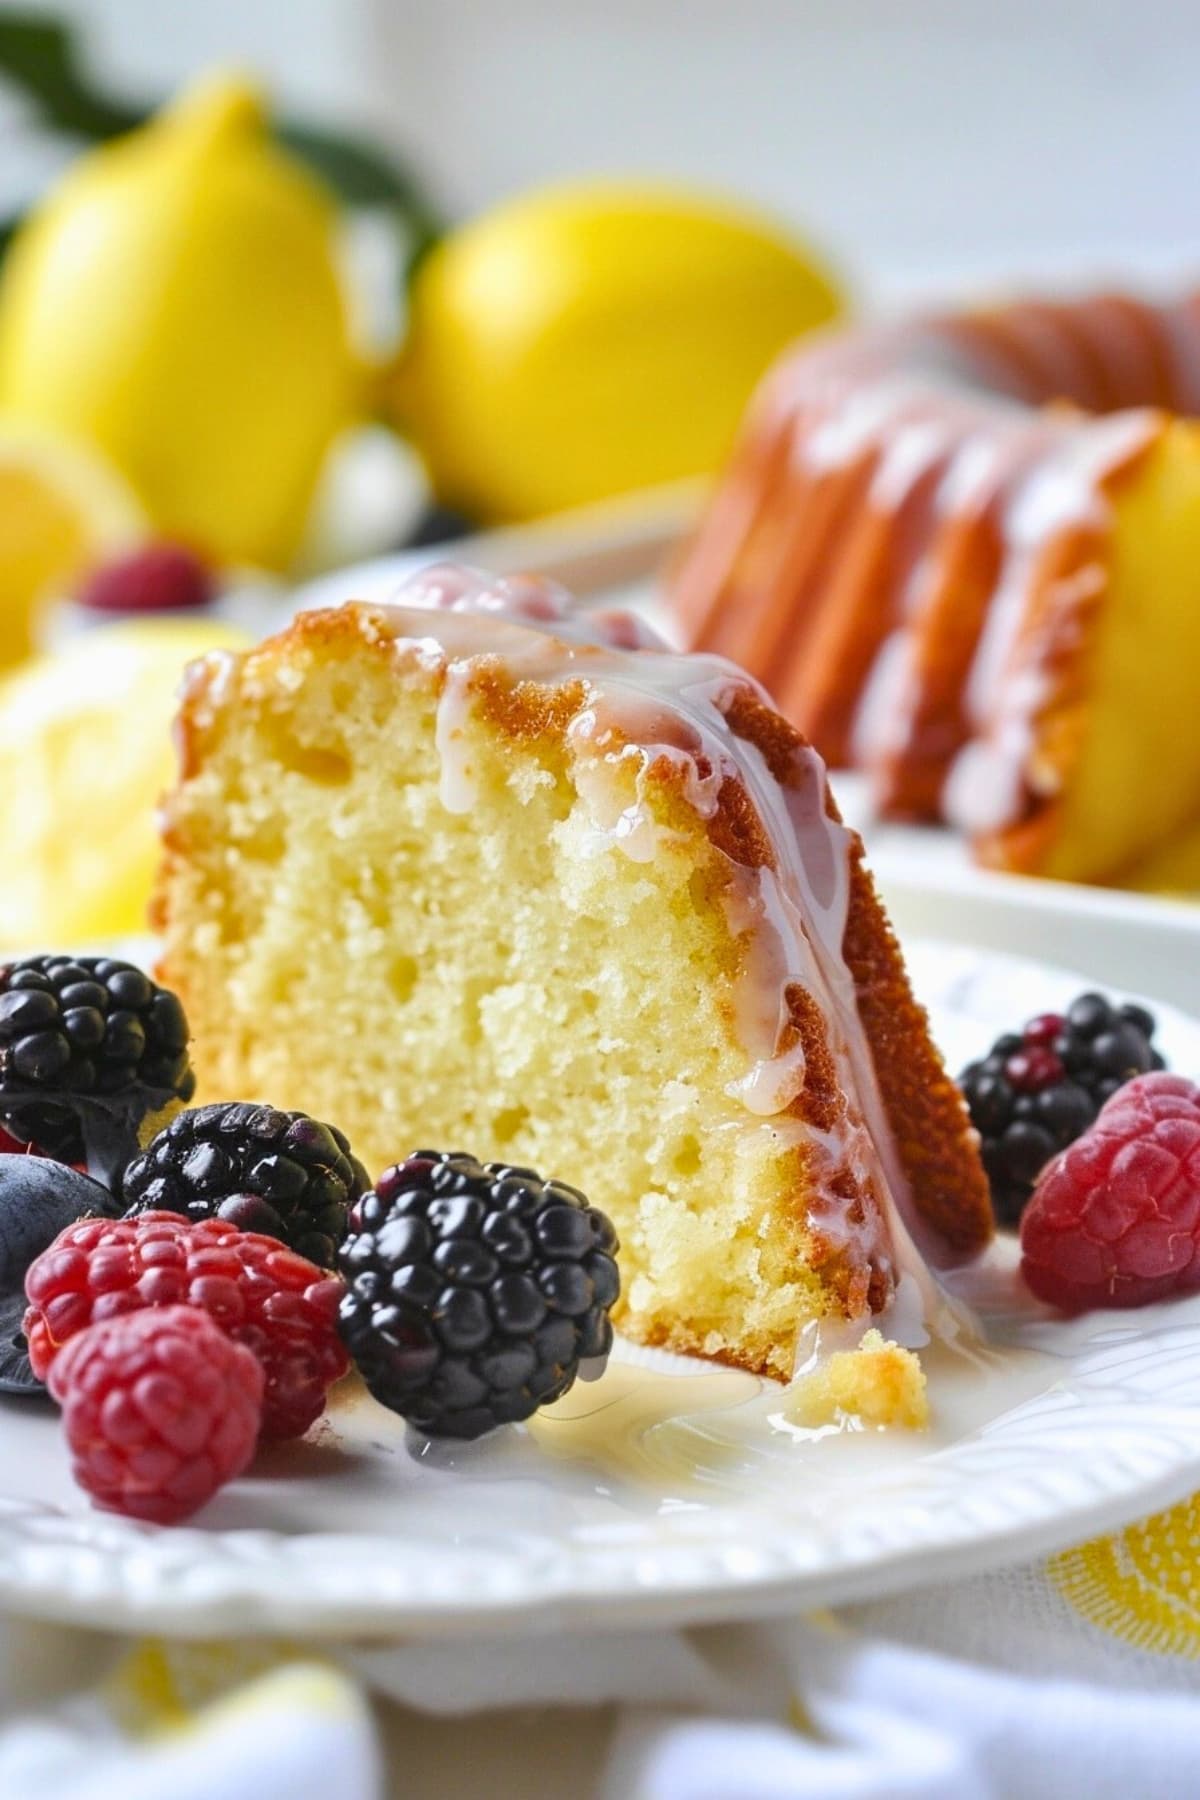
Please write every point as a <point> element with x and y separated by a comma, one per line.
<point>161,1686</point>
<point>1142,1585</point>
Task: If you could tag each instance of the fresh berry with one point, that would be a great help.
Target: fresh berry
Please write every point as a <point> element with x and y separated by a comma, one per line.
<point>38,1199</point>
<point>281,1307</point>
<point>159,578</point>
<point>1044,1029</point>
<point>89,1047</point>
<point>278,1173</point>
<point>475,1291</point>
<point>160,1410</point>
<point>1028,1071</point>
<point>1115,1219</point>
<point>1032,1095</point>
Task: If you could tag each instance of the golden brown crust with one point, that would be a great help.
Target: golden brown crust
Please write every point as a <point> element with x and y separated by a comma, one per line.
<point>926,1111</point>
<point>934,1136</point>
<point>805,566</point>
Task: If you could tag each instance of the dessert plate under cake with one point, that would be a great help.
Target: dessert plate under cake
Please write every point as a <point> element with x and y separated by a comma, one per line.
<point>669,1491</point>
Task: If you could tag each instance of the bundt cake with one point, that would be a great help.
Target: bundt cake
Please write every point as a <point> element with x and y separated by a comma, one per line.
<point>963,553</point>
<point>467,871</point>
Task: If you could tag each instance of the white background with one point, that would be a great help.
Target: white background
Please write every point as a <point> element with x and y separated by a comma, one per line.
<point>922,142</point>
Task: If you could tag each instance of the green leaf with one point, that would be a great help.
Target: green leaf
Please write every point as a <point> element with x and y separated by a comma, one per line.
<point>362,175</point>
<point>39,57</point>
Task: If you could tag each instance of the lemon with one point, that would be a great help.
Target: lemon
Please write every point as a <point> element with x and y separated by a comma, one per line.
<point>176,302</point>
<point>85,753</point>
<point>61,509</point>
<point>585,340</point>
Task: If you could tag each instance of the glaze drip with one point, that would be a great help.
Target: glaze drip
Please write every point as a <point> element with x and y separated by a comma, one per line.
<point>916,519</point>
<point>648,705</point>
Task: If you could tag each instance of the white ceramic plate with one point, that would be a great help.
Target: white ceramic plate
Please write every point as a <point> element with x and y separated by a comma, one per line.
<point>667,1492</point>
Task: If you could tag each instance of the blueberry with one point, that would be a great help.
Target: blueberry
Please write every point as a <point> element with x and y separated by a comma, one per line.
<point>38,1199</point>
<point>16,1376</point>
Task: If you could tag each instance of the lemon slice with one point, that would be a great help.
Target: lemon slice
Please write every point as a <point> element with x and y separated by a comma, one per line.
<point>61,509</point>
<point>85,753</point>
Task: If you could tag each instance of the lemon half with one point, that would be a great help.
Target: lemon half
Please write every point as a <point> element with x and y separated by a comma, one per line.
<point>85,754</point>
<point>62,508</point>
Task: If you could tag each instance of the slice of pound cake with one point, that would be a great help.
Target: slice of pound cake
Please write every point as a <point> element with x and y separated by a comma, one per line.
<point>468,871</point>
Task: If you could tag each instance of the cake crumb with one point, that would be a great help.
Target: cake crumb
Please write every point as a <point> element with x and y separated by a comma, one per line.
<point>878,1384</point>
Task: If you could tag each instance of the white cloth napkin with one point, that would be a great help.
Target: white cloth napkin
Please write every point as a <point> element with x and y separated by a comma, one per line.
<point>1081,1676</point>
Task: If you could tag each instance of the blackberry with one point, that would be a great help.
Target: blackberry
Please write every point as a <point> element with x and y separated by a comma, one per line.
<point>279,1173</point>
<point>1035,1093</point>
<point>474,1291</point>
<point>89,1047</point>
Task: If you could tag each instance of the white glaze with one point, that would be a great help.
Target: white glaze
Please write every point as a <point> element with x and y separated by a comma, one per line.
<point>651,705</point>
<point>906,398</point>
<point>1008,683</point>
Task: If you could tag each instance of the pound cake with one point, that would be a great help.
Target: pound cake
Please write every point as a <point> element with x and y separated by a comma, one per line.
<point>963,553</point>
<point>467,870</point>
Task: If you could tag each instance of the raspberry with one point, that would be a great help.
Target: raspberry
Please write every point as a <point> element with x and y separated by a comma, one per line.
<point>1115,1220</point>
<point>159,578</point>
<point>281,1307</point>
<point>475,1291</point>
<point>160,1410</point>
